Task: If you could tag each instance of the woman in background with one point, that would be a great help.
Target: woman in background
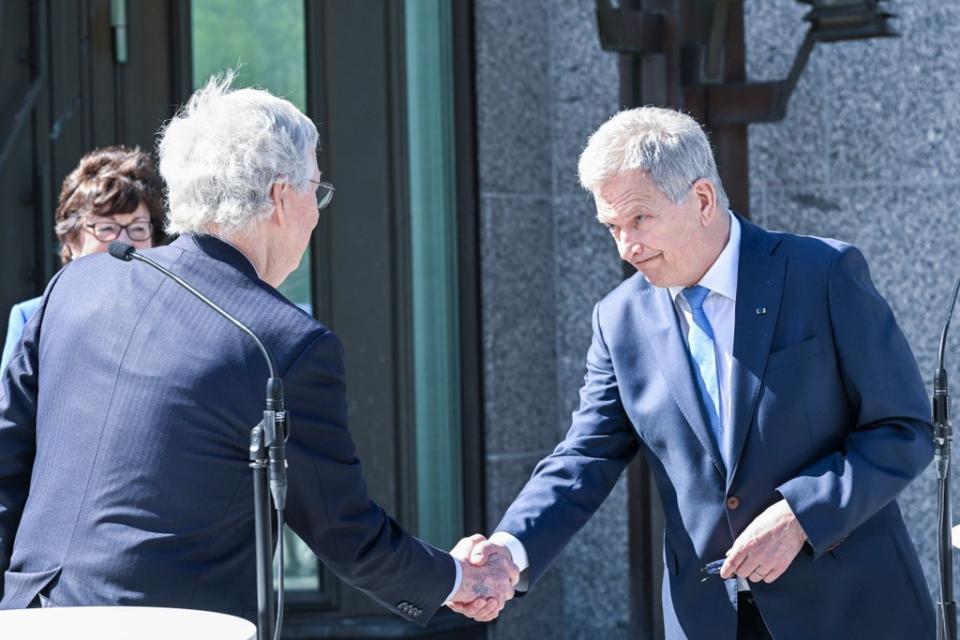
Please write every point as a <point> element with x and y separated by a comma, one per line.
<point>113,194</point>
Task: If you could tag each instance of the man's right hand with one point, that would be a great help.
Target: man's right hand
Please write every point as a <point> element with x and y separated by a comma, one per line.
<point>487,581</point>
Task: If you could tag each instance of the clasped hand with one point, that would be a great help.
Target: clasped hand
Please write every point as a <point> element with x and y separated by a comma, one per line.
<point>487,580</point>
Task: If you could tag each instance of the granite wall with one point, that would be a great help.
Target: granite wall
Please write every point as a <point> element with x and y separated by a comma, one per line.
<point>543,85</point>
<point>868,153</point>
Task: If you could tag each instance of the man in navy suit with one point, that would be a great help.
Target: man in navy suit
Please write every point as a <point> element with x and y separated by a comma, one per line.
<point>768,386</point>
<point>126,410</point>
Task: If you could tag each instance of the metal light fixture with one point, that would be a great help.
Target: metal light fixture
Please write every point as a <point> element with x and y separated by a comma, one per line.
<point>633,30</point>
<point>834,20</point>
<point>830,21</point>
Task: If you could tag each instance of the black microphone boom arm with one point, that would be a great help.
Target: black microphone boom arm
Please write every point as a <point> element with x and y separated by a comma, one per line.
<point>942,439</point>
<point>267,459</point>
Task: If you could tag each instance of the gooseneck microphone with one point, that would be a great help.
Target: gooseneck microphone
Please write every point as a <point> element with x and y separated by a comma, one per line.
<point>275,399</point>
<point>942,438</point>
<point>267,458</point>
<point>126,252</point>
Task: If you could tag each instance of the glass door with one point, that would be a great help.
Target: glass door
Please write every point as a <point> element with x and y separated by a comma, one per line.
<point>392,261</point>
<point>264,40</point>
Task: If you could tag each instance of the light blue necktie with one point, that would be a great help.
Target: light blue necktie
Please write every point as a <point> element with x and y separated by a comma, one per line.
<point>704,356</point>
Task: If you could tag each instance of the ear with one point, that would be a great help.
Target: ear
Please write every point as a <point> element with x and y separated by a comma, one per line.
<point>706,196</point>
<point>279,214</point>
<point>72,246</point>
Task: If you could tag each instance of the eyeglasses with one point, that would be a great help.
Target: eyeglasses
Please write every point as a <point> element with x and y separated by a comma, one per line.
<point>710,569</point>
<point>324,193</point>
<point>109,231</point>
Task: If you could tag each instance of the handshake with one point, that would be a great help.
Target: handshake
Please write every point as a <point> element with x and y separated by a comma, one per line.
<point>487,579</point>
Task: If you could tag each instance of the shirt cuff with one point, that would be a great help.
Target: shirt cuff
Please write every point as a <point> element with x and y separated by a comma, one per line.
<point>456,582</point>
<point>515,546</point>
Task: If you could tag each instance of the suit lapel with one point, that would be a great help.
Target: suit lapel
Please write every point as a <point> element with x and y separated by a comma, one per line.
<point>663,333</point>
<point>759,291</point>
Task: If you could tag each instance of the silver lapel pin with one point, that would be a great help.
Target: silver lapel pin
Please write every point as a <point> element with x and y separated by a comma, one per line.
<point>761,311</point>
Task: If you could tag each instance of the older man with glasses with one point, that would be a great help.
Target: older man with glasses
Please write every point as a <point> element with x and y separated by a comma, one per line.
<point>126,411</point>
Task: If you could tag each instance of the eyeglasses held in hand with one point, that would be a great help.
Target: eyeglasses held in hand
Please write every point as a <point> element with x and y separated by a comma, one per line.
<point>110,231</point>
<point>711,569</point>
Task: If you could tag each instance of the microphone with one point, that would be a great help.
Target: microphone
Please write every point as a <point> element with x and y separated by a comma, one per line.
<point>270,434</point>
<point>121,251</point>
<point>941,396</point>
<point>275,422</point>
<point>942,437</point>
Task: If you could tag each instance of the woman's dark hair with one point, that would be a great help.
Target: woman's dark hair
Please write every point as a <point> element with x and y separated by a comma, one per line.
<point>106,182</point>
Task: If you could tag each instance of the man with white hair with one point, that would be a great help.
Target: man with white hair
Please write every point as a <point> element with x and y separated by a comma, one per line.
<point>768,386</point>
<point>126,411</point>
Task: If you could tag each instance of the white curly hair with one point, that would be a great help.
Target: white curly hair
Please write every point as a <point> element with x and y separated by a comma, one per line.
<point>222,152</point>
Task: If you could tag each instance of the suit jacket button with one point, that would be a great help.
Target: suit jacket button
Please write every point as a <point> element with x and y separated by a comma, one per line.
<point>417,613</point>
<point>733,502</point>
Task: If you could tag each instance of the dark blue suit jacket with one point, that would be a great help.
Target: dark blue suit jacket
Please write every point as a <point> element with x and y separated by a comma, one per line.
<point>125,417</point>
<point>829,412</point>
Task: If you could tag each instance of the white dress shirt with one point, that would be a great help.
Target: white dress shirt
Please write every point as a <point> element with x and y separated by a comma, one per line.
<point>720,309</point>
<point>456,581</point>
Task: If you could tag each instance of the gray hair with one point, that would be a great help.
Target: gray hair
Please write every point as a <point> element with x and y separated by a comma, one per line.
<point>670,146</point>
<point>222,152</point>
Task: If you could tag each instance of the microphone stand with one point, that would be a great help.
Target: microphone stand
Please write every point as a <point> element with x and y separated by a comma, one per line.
<point>267,461</point>
<point>942,438</point>
<point>265,438</point>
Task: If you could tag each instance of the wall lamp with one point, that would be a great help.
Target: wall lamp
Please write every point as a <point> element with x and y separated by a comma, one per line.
<point>641,32</point>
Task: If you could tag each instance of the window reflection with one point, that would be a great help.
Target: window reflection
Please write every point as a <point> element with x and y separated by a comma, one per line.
<point>265,38</point>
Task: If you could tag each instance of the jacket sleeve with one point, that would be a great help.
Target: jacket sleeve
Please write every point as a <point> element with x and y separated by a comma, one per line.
<point>569,485</point>
<point>891,441</point>
<point>15,327</point>
<point>328,505</point>
<point>18,412</point>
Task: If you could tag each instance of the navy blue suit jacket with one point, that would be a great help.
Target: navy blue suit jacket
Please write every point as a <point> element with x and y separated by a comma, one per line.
<point>829,412</point>
<point>125,417</point>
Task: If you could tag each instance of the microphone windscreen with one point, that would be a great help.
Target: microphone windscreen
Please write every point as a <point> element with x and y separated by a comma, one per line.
<point>121,250</point>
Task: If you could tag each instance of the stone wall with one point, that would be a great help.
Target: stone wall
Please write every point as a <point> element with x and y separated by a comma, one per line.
<point>543,85</point>
<point>868,154</point>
